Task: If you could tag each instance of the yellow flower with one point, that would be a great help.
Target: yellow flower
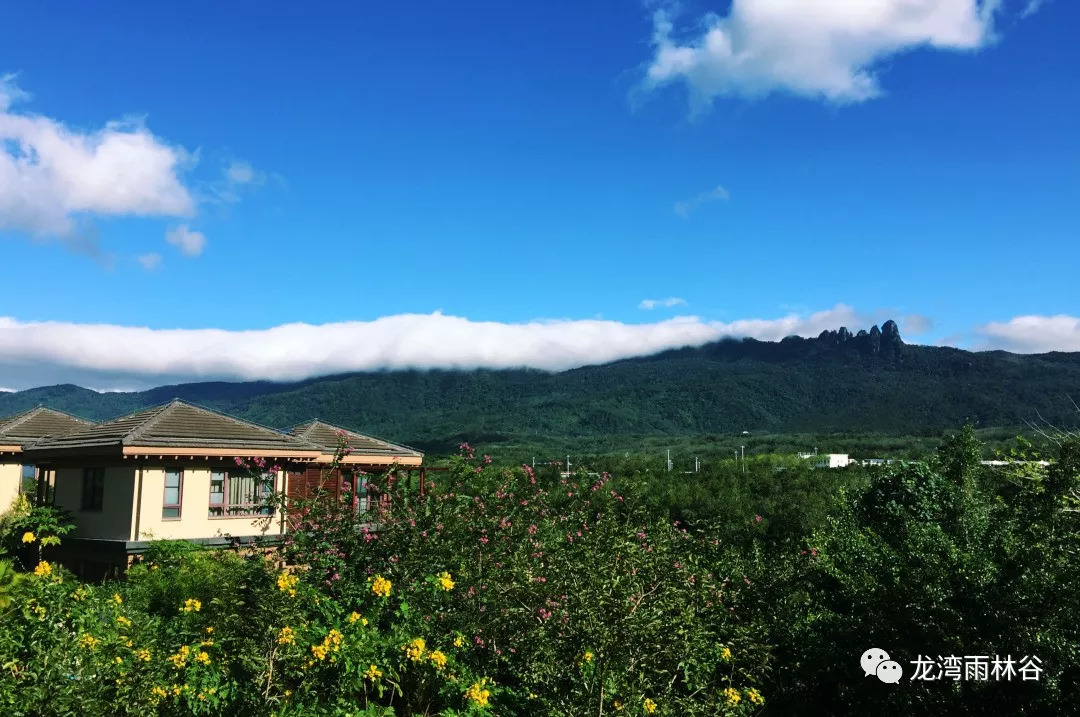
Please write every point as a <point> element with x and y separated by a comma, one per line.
<point>459,641</point>
<point>381,586</point>
<point>40,612</point>
<point>288,693</point>
<point>755,696</point>
<point>725,653</point>
<point>159,692</point>
<point>445,582</point>
<point>43,569</point>
<point>192,605</point>
<point>176,689</point>
<point>117,599</point>
<point>123,621</point>
<point>119,660</point>
<point>28,537</point>
<point>438,659</point>
<point>143,655</point>
<point>320,650</point>
<point>354,616</point>
<point>128,643</point>
<point>372,673</point>
<point>286,636</point>
<point>88,641</point>
<point>732,696</point>
<point>206,643</point>
<point>287,583</point>
<point>618,705</point>
<point>153,566</point>
<point>479,693</point>
<point>209,631</point>
<point>415,649</point>
<point>335,637</point>
<point>203,658</point>
<point>179,660</point>
<point>648,705</point>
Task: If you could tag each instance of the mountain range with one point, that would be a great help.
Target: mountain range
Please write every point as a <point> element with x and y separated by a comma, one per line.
<point>870,381</point>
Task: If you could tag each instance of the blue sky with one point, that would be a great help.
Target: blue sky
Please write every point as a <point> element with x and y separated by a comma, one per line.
<point>775,169</point>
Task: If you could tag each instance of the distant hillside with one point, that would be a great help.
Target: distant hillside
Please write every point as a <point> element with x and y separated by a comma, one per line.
<point>870,381</point>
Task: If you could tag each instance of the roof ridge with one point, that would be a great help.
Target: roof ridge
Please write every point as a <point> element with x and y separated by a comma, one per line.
<point>235,419</point>
<point>138,430</point>
<point>20,418</point>
<point>368,436</point>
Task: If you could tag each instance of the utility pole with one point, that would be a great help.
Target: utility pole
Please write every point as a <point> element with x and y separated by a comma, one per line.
<point>697,464</point>
<point>742,453</point>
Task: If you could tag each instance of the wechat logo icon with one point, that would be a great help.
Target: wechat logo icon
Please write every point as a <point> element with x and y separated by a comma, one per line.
<point>875,661</point>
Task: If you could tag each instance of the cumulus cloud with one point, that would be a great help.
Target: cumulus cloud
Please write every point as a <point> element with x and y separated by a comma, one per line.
<point>650,304</point>
<point>150,261</point>
<point>51,175</point>
<point>107,356</point>
<point>1031,334</point>
<point>684,208</point>
<point>830,49</point>
<point>189,242</point>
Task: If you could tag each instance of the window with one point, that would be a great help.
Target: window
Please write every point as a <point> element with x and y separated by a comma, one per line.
<point>28,486</point>
<point>93,488</point>
<point>356,485</point>
<point>174,492</point>
<point>240,493</point>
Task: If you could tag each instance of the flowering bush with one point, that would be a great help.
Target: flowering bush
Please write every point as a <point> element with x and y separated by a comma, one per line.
<point>516,577</point>
<point>501,593</point>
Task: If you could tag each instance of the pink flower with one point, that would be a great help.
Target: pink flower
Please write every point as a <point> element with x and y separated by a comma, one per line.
<point>533,529</point>
<point>757,518</point>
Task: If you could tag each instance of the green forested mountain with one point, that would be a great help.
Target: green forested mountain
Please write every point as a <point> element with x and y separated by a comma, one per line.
<point>869,382</point>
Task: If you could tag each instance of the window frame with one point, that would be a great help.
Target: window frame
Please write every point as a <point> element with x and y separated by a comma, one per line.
<point>179,504</point>
<point>93,500</point>
<point>257,509</point>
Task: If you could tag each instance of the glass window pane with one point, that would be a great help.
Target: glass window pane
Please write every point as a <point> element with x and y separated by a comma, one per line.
<point>172,496</point>
<point>170,513</point>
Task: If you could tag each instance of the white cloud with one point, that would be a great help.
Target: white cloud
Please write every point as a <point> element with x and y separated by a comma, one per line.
<point>109,356</point>
<point>1032,7</point>
<point>829,49</point>
<point>650,304</point>
<point>190,243</point>
<point>684,208</point>
<point>51,175</point>
<point>237,177</point>
<point>1032,334</point>
<point>150,261</point>
<point>239,172</point>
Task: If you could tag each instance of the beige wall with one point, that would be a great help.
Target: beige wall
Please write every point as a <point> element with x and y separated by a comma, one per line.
<point>195,520</point>
<point>10,478</point>
<point>113,521</point>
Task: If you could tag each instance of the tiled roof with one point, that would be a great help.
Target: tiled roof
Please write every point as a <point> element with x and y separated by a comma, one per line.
<point>178,424</point>
<point>39,423</point>
<point>326,436</point>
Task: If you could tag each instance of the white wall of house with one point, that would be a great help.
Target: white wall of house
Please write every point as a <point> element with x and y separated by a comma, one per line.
<point>10,478</point>
<point>114,520</point>
<point>195,520</point>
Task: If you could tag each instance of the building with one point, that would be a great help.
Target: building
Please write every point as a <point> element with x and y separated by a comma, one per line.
<point>21,431</point>
<point>365,455</point>
<point>828,460</point>
<point>172,472</point>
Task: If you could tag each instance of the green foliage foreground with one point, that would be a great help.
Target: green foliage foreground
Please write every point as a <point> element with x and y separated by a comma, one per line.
<point>509,593</point>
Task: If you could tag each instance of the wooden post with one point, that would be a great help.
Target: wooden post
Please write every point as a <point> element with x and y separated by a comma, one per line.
<point>423,481</point>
